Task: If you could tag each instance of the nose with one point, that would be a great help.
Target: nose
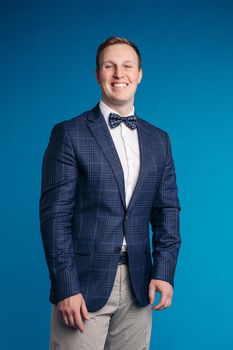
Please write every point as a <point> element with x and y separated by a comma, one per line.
<point>118,73</point>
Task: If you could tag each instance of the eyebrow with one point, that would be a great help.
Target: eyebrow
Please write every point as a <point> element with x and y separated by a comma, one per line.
<point>126,61</point>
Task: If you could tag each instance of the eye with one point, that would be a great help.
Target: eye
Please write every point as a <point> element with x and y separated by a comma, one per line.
<point>107,66</point>
<point>128,66</point>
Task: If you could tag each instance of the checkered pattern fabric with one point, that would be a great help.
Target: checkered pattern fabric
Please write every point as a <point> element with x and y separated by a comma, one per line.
<point>83,215</point>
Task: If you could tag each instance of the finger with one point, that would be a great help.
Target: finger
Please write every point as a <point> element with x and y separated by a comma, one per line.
<point>151,294</point>
<point>63,316</point>
<point>70,319</point>
<point>78,321</point>
<point>162,306</point>
<point>162,303</point>
<point>166,305</point>
<point>84,311</point>
<point>65,320</point>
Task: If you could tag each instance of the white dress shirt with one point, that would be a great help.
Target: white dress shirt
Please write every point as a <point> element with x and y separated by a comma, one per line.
<point>127,146</point>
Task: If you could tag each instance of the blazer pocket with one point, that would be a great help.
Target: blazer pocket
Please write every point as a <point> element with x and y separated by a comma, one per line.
<point>83,246</point>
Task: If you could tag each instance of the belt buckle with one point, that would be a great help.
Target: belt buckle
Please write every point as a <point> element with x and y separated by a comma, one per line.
<point>123,255</point>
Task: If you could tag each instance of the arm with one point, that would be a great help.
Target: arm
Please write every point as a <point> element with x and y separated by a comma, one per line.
<point>58,190</point>
<point>164,221</point>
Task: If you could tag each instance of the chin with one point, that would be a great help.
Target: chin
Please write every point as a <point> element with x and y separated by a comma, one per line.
<point>120,101</point>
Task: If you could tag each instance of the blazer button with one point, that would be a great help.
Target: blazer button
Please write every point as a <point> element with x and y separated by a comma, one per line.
<point>117,249</point>
<point>126,217</point>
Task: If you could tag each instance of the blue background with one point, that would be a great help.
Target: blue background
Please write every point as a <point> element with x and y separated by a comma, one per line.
<point>48,72</point>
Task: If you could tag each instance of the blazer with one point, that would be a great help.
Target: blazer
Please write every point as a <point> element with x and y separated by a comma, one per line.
<point>83,214</point>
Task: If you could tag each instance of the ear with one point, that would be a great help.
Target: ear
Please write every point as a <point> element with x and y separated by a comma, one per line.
<point>140,75</point>
<point>97,76</point>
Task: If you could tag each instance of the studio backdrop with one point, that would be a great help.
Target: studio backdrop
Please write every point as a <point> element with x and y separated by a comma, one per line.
<point>47,73</point>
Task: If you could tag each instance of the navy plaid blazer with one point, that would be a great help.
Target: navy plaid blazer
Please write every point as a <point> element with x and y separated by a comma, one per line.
<point>83,214</point>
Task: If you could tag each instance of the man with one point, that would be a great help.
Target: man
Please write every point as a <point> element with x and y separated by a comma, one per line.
<point>106,175</point>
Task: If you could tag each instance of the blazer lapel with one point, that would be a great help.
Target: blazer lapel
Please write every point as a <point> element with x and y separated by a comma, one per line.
<point>145,159</point>
<point>100,131</point>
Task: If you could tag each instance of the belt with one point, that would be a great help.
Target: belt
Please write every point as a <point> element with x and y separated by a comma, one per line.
<point>123,258</point>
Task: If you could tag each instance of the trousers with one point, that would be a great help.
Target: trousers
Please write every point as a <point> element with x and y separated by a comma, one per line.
<point>121,324</point>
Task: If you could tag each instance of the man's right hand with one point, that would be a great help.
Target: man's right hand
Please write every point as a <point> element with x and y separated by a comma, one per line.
<point>73,310</point>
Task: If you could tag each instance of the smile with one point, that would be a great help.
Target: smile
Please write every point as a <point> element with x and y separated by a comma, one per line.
<point>119,85</point>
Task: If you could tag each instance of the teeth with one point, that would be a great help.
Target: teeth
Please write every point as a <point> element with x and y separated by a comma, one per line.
<point>119,85</point>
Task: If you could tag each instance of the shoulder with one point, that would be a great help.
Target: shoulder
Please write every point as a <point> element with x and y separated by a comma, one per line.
<point>67,129</point>
<point>79,123</point>
<point>71,123</point>
<point>153,130</point>
<point>70,128</point>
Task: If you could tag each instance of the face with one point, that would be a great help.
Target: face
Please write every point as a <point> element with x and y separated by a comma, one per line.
<point>118,75</point>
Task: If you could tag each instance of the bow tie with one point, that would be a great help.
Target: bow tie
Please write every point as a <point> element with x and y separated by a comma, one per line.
<point>114,120</point>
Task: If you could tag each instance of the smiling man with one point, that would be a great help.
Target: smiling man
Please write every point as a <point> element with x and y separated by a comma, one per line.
<point>118,73</point>
<point>107,174</point>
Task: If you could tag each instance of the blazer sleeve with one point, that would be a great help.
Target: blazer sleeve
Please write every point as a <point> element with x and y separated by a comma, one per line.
<point>57,200</point>
<point>165,223</point>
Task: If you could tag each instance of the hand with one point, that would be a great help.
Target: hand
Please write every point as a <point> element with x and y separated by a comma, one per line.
<point>166,291</point>
<point>72,310</point>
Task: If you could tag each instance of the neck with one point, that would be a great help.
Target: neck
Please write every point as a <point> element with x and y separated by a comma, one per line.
<point>123,110</point>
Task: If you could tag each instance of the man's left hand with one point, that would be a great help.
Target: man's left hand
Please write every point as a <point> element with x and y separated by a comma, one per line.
<point>166,291</point>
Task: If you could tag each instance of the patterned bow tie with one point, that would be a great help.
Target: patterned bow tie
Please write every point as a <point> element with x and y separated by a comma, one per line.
<point>114,120</point>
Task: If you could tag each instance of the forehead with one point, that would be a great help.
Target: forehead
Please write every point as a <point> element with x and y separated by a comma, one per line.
<point>118,51</point>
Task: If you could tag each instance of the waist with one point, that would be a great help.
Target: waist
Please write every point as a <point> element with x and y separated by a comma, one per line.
<point>123,257</point>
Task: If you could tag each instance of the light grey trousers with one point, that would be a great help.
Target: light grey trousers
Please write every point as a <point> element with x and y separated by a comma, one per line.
<point>121,324</point>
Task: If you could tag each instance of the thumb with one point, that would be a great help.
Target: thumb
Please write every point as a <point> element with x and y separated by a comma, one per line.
<point>151,294</point>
